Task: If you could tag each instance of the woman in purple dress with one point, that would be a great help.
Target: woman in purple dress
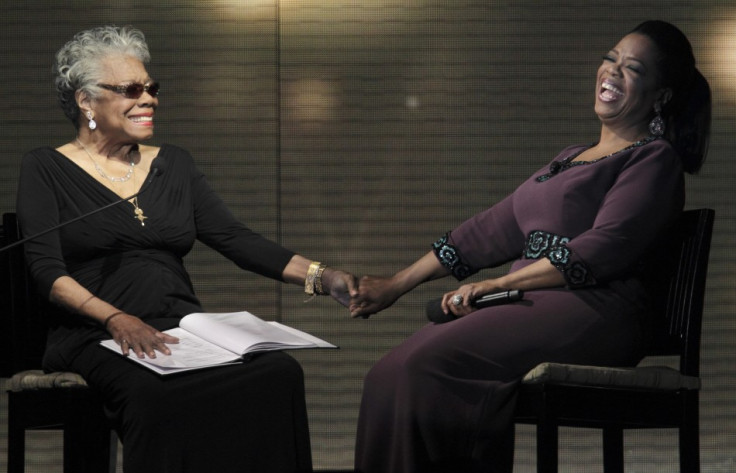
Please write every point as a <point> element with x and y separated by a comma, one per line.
<point>443,400</point>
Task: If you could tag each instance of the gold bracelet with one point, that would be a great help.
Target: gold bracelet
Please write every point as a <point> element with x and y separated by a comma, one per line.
<point>318,280</point>
<point>309,281</point>
<point>110,317</point>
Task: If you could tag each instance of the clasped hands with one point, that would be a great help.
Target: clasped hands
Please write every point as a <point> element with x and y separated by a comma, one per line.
<point>375,293</point>
<point>363,298</point>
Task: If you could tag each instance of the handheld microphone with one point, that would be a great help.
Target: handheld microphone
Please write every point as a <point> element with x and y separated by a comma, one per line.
<point>155,171</point>
<point>434,307</point>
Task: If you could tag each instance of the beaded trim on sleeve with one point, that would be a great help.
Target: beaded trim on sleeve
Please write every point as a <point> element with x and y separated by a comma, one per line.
<point>541,244</point>
<point>450,258</point>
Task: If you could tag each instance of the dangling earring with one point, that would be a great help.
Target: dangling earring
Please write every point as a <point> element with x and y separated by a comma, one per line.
<point>657,125</point>
<point>92,123</point>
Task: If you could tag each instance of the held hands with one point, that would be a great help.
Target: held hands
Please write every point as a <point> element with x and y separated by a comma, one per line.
<point>131,333</point>
<point>375,293</point>
<point>340,285</point>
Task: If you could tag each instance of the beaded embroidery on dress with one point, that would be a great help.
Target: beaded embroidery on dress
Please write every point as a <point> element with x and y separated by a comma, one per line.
<point>557,167</point>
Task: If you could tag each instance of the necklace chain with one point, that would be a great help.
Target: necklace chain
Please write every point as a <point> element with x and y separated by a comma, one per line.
<point>131,173</point>
<point>124,178</point>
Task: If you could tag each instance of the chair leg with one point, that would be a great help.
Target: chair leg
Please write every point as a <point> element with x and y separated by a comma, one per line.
<point>16,438</point>
<point>690,436</point>
<point>113,465</point>
<point>16,450</point>
<point>689,451</point>
<point>547,445</point>
<point>613,450</point>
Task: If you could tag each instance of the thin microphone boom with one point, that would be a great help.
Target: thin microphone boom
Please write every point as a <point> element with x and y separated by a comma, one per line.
<point>154,172</point>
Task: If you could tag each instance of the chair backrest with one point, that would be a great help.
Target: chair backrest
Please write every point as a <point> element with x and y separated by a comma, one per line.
<point>676,270</point>
<point>22,321</point>
<point>5,349</point>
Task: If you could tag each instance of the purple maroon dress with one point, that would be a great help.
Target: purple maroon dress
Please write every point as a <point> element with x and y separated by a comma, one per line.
<point>443,400</point>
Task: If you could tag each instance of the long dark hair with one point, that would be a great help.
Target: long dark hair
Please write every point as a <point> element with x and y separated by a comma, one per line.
<point>688,113</point>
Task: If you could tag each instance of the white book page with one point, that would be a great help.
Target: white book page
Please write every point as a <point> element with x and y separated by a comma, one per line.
<point>242,332</point>
<point>315,341</point>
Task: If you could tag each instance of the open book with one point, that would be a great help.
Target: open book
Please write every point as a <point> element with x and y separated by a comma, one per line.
<point>211,339</point>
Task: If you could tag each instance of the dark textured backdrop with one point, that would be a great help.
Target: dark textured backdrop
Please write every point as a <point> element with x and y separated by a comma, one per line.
<point>357,132</point>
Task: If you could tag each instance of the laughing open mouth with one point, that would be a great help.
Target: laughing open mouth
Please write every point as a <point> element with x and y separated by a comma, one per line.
<point>610,91</point>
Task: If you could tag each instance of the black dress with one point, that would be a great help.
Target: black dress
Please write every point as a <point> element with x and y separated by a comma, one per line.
<point>243,418</point>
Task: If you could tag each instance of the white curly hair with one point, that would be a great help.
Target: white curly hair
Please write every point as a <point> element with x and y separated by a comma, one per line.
<point>79,62</point>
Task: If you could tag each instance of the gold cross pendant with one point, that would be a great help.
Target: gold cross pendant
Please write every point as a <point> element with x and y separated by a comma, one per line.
<point>139,215</point>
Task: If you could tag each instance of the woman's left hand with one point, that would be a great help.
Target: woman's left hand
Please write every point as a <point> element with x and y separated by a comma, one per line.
<point>340,285</point>
<point>459,302</point>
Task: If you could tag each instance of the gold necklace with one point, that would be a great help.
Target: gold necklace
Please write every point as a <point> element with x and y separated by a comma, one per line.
<point>131,173</point>
<point>134,201</point>
<point>138,211</point>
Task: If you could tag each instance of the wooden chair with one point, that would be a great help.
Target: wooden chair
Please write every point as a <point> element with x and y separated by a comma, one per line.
<point>615,399</point>
<point>38,400</point>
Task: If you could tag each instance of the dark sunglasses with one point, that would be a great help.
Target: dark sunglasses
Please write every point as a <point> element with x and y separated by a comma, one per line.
<point>134,90</point>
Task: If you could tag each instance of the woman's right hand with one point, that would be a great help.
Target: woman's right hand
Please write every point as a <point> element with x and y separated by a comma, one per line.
<point>131,333</point>
<point>342,286</point>
<point>375,293</point>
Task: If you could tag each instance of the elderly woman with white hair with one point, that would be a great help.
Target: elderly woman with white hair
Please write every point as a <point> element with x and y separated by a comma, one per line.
<point>119,274</point>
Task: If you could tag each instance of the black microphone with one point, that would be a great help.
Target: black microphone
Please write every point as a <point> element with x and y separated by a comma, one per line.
<point>155,171</point>
<point>555,167</point>
<point>434,307</point>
